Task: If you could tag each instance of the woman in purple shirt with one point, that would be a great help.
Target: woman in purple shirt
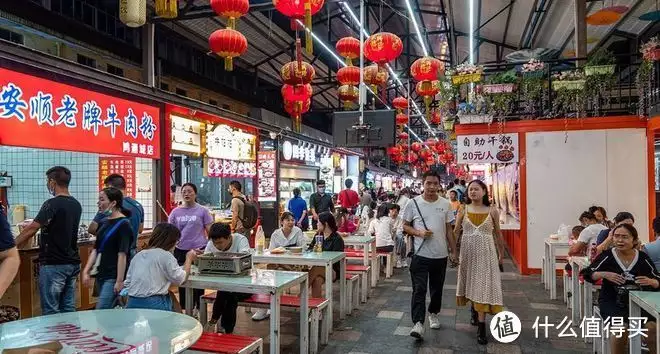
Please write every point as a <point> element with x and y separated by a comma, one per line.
<point>194,222</point>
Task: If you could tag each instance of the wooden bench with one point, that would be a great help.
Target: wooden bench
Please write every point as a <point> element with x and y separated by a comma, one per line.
<point>226,344</point>
<point>364,273</point>
<point>317,313</point>
<point>352,291</point>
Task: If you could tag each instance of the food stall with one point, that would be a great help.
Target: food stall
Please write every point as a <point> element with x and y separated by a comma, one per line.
<point>298,169</point>
<point>210,152</point>
<point>93,134</point>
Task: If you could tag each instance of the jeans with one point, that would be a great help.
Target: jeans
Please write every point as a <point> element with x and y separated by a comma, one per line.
<point>57,287</point>
<point>422,271</point>
<point>153,302</point>
<point>180,256</point>
<point>224,308</point>
<point>107,295</point>
<point>400,247</point>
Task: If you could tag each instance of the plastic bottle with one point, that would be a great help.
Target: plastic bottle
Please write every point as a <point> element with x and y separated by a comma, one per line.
<point>318,246</point>
<point>260,240</point>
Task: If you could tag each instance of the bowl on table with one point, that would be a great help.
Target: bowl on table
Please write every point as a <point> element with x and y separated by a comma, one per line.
<point>295,250</point>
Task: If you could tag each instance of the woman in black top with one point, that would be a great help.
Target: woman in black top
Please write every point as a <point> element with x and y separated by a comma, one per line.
<point>109,256</point>
<point>327,226</point>
<point>623,268</point>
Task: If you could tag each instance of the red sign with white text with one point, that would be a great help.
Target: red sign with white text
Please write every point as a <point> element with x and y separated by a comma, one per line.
<point>124,166</point>
<point>40,113</point>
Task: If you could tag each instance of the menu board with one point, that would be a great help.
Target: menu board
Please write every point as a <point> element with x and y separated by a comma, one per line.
<point>267,190</point>
<point>223,142</point>
<point>231,168</point>
<point>121,165</point>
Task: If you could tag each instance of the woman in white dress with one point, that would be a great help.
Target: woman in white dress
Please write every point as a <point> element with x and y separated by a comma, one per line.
<point>479,280</point>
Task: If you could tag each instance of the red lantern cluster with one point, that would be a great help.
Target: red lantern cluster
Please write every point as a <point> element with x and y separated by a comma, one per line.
<point>300,10</point>
<point>383,47</point>
<point>297,90</point>
<point>295,110</point>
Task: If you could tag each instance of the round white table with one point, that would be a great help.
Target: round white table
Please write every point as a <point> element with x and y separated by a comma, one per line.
<point>101,331</point>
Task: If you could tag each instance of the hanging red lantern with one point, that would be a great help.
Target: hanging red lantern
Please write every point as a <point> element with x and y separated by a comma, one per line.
<point>412,157</point>
<point>297,73</point>
<point>348,94</point>
<point>297,93</point>
<point>424,153</point>
<point>440,146</point>
<point>401,119</point>
<point>447,157</point>
<point>403,146</point>
<point>393,150</point>
<point>436,118</point>
<point>228,43</point>
<point>416,146</point>
<point>375,76</point>
<point>428,90</point>
<point>430,160</point>
<point>349,75</point>
<point>383,47</point>
<point>295,110</point>
<point>232,9</point>
<point>403,136</point>
<point>400,103</point>
<point>427,69</point>
<point>349,48</point>
<point>300,10</point>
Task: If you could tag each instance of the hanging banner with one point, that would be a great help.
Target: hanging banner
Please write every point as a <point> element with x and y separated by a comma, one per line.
<point>267,191</point>
<point>124,166</point>
<point>40,113</point>
<point>495,148</point>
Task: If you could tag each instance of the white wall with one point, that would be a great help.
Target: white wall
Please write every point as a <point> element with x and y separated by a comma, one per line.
<point>596,167</point>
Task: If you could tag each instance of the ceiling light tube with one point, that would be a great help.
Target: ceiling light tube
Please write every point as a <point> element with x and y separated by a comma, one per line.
<point>413,17</point>
<point>471,7</point>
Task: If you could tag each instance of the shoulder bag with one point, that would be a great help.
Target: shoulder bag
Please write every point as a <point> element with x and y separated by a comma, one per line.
<point>95,268</point>
<point>414,252</point>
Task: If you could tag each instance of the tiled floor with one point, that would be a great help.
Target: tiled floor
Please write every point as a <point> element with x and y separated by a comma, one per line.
<point>383,324</point>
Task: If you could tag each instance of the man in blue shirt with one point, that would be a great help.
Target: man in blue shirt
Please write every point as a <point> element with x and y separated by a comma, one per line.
<point>298,207</point>
<point>137,212</point>
<point>9,258</point>
<point>653,248</point>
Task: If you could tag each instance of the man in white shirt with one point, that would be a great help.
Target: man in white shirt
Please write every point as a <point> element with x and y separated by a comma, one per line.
<point>428,219</point>
<point>225,304</point>
<point>587,239</point>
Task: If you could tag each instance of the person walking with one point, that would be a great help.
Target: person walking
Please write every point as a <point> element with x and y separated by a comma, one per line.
<point>59,260</point>
<point>481,253</point>
<point>428,218</point>
<point>136,210</point>
<point>9,257</point>
<point>194,221</point>
<point>238,209</point>
<point>348,198</point>
<point>320,202</point>
<point>108,261</point>
<point>298,207</point>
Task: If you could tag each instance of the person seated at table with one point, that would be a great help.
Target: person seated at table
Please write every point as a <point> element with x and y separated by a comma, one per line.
<point>225,304</point>
<point>383,228</point>
<point>604,240</point>
<point>327,226</point>
<point>652,249</point>
<point>586,242</point>
<point>575,234</point>
<point>288,235</point>
<point>345,223</point>
<point>154,269</point>
<point>622,269</point>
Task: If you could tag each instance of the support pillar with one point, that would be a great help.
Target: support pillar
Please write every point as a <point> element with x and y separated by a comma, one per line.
<point>148,55</point>
<point>580,29</point>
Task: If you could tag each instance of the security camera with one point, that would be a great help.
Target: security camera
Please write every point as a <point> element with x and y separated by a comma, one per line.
<point>272,135</point>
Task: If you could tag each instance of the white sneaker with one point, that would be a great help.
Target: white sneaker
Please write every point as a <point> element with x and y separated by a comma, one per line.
<point>211,327</point>
<point>405,263</point>
<point>398,264</point>
<point>417,331</point>
<point>261,315</point>
<point>434,321</point>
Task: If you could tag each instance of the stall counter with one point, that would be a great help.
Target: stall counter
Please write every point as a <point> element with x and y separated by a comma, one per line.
<point>23,292</point>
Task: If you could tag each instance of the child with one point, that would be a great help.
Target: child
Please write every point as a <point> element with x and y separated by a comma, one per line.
<point>575,234</point>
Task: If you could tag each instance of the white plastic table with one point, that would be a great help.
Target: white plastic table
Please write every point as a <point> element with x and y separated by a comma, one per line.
<point>116,331</point>
<point>552,249</point>
<point>650,302</point>
<point>321,259</point>
<point>370,255</point>
<point>272,282</point>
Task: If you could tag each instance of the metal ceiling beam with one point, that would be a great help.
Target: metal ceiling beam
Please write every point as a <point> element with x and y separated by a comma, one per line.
<point>570,35</point>
<point>476,35</point>
<point>508,6</point>
<point>450,46</point>
<point>500,50</point>
<point>273,56</point>
<point>404,10</point>
<point>384,22</point>
<point>486,40</point>
<point>617,24</point>
<point>423,25</point>
<point>452,33</point>
<point>529,20</point>
<point>544,16</point>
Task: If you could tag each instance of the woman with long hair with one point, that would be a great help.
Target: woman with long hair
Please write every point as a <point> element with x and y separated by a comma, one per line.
<point>109,259</point>
<point>481,253</point>
<point>327,226</point>
<point>345,224</point>
<point>382,228</point>
<point>154,269</point>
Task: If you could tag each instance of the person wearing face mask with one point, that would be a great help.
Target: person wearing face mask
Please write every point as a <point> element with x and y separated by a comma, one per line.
<point>109,259</point>
<point>59,260</point>
<point>154,269</point>
<point>237,208</point>
<point>225,304</point>
<point>320,202</point>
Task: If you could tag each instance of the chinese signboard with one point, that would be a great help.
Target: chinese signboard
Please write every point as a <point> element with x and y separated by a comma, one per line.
<point>124,166</point>
<point>226,143</point>
<point>502,148</point>
<point>298,153</point>
<point>186,135</point>
<point>231,168</point>
<point>40,113</point>
<point>267,191</point>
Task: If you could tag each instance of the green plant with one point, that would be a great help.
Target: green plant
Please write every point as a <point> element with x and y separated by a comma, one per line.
<point>506,77</point>
<point>502,103</point>
<point>532,89</point>
<point>643,83</point>
<point>447,94</point>
<point>571,96</point>
<point>601,56</point>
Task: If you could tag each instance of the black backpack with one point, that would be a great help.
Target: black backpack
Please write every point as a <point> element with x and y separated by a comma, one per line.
<point>250,213</point>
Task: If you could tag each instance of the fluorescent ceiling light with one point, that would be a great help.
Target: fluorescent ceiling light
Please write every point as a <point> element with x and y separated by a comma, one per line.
<point>471,31</point>
<point>419,33</point>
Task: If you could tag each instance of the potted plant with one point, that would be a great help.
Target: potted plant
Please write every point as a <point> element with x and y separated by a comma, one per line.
<point>569,87</point>
<point>466,73</point>
<point>475,111</point>
<point>533,84</point>
<point>533,69</point>
<point>600,78</point>
<point>651,49</point>
<point>600,63</point>
<point>500,92</point>
<point>644,77</point>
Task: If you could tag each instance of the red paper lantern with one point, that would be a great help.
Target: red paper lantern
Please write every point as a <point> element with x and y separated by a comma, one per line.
<point>400,103</point>
<point>401,119</point>
<point>295,110</point>
<point>440,146</point>
<point>375,76</point>
<point>228,43</point>
<point>232,9</point>
<point>297,73</point>
<point>300,10</point>
<point>382,47</point>
<point>348,94</point>
<point>349,48</point>
<point>393,150</point>
<point>416,146</point>
<point>349,75</point>
<point>425,153</point>
<point>297,93</point>
<point>428,90</point>
<point>412,157</point>
<point>436,118</point>
<point>427,69</point>
<point>430,161</point>
<point>403,136</point>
